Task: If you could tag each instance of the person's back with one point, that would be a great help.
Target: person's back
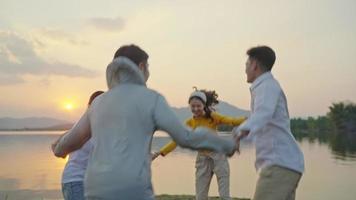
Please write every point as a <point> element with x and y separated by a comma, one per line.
<point>123,117</point>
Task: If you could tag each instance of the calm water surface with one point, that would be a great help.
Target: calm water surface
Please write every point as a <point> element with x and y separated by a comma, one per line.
<point>27,163</point>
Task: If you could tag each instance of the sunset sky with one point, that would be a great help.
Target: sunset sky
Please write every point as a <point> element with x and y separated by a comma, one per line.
<point>53,54</point>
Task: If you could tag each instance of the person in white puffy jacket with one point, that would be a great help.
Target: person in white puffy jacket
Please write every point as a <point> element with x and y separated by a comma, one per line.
<point>122,122</point>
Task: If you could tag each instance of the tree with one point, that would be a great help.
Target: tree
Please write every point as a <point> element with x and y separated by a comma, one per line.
<point>343,117</point>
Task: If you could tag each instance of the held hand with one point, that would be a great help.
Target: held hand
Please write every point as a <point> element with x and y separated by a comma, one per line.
<point>53,147</point>
<point>232,153</point>
<point>238,146</point>
<point>238,139</point>
<point>54,144</point>
<point>244,134</point>
<point>155,155</point>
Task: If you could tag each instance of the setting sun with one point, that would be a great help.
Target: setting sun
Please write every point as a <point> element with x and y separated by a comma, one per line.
<point>68,106</point>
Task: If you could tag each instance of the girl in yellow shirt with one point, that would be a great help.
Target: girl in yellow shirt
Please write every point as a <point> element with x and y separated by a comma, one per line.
<point>207,163</point>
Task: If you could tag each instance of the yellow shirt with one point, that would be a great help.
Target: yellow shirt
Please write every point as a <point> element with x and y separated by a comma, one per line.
<point>212,123</point>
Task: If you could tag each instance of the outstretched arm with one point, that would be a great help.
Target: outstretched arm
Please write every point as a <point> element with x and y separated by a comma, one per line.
<point>265,104</point>
<point>232,121</point>
<point>201,138</point>
<point>75,138</point>
<point>169,147</point>
<point>54,144</point>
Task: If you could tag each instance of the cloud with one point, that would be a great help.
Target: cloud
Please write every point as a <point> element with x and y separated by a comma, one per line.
<point>45,82</point>
<point>59,35</point>
<point>10,79</point>
<point>18,58</point>
<point>107,24</point>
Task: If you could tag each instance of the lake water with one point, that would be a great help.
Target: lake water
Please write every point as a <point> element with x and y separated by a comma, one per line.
<point>26,163</point>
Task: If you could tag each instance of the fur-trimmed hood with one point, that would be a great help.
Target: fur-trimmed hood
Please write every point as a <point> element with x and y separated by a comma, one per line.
<point>122,71</point>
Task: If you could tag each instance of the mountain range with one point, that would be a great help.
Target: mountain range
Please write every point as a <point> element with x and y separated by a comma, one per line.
<point>48,123</point>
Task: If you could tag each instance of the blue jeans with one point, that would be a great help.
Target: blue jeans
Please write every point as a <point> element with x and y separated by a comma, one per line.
<point>73,190</point>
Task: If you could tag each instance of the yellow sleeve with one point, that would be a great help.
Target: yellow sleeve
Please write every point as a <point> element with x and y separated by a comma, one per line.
<point>221,119</point>
<point>169,147</point>
<point>188,122</point>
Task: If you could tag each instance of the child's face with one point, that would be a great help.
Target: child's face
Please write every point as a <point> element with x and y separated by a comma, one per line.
<point>197,107</point>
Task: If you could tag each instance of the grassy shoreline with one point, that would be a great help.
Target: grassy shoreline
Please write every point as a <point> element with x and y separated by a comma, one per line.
<point>57,195</point>
<point>188,197</point>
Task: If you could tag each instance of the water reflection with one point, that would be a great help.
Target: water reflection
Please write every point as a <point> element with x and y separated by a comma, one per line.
<point>28,164</point>
<point>341,144</point>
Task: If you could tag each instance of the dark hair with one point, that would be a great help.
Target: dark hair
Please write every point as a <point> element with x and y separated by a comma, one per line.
<point>264,55</point>
<point>93,96</point>
<point>133,52</point>
<point>211,101</point>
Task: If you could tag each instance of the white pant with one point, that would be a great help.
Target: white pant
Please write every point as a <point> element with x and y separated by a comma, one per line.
<point>206,165</point>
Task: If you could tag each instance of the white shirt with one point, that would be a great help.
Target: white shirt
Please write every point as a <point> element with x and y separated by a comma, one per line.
<point>269,126</point>
<point>77,163</point>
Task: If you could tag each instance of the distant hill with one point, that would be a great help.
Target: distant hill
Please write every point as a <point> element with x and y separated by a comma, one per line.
<point>223,108</point>
<point>30,123</point>
<point>47,123</point>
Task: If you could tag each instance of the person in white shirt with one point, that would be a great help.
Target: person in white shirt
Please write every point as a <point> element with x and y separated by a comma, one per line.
<point>278,157</point>
<point>74,170</point>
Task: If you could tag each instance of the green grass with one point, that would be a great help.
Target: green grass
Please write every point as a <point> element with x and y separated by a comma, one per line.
<point>187,197</point>
<point>35,195</point>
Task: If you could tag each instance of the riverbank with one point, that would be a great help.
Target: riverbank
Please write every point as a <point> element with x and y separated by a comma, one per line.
<point>57,195</point>
<point>188,197</point>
